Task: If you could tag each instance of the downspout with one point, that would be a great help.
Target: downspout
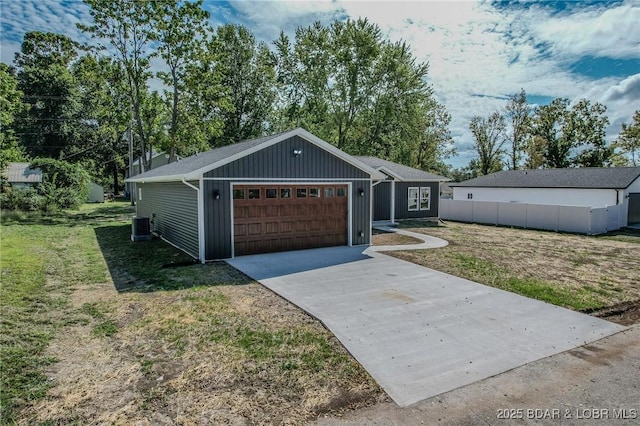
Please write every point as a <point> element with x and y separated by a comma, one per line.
<point>393,201</point>
<point>200,218</point>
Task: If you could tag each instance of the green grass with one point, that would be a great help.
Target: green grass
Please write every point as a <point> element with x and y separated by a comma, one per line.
<point>484,271</point>
<point>41,263</point>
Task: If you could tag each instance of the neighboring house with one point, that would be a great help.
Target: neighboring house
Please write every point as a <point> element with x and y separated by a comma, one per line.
<point>405,192</point>
<point>585,187</point>
<point>20,175</point>
<point>281,192</point>
<point>446,191</point>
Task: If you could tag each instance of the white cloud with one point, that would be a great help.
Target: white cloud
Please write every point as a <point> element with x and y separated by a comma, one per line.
<point>599,31</point>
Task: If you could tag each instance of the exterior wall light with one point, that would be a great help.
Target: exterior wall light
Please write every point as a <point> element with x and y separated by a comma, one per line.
<point>216,195</point>
<point>297,152</point>
<point>361,234</point>
<point>361,192</point>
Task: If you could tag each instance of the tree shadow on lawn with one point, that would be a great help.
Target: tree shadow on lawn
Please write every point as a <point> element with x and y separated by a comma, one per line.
<point>94,215</point>
<point>142,266</point>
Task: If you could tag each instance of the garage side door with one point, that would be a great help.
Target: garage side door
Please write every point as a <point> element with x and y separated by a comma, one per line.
<point>634,208</point>
<point>269,218</point>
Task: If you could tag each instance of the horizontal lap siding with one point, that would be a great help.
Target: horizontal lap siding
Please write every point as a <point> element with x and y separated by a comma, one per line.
<point>402,200</point>
<point>277,163</point>
<point>176,212</point>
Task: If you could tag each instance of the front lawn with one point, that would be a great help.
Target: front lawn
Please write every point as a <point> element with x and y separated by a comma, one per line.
<point>575,271</point>
<point>98,329</point>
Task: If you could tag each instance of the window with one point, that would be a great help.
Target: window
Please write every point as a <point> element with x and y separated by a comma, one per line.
<point>328,193</point>
<point>314,192</point>
<point>254,193</point>
<point>271,193</point>
<point>413,198</point>
<point>301,193</point>
<point>238,194</point>
<point>419,198</point>
<point>425,198</point>
<point>342,192</point>
<point>285,192</point>
<point>469,196</point>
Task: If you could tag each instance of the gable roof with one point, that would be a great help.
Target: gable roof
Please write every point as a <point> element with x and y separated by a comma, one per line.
<point>400,171</point>
<point>22,173</point>
<point>583,177</point>
<point>193,167</point>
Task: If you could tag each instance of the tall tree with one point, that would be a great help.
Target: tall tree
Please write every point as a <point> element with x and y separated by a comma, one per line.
<point>629,139</point>
<point>518,113</point>
<point>555,131</point>
<point>247,72</point>
<point>182,29</point>
<point>591,123</point>
<point>105,118</point>
<point>129,29</point>
<point>10,107</point>
<point>359,91</point>
<point>46,126</point>
<point>489,134</point>
<point>436,141</point>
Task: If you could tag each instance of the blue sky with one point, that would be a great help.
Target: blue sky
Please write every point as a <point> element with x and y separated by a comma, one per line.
<point>479,52</point>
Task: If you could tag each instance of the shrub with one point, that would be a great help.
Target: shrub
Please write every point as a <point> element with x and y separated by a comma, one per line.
<point>25,199</point>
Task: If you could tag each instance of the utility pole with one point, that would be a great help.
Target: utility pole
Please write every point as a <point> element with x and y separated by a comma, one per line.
<point>131,185</point>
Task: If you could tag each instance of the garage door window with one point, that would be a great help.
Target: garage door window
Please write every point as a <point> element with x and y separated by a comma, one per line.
<point>314,192</point>
<point>328,193</point>
<point>301,193</point>
<point>342,192</point>
<point>285,192</point>
<point>271,193</point>
<point>254,193</point>
<point>238,194</point>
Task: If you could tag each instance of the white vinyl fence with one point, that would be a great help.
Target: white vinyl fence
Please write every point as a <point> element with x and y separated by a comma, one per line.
<point>583,220</point>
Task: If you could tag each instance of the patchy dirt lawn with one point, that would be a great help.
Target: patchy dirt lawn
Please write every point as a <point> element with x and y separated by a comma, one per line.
<point>581,272</point>
<point>381,238</point>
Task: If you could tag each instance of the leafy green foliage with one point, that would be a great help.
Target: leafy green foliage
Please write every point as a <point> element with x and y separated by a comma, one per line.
<point>64,185</point>
<point>489,134</point>
<point>518,113</point>
<point>629,139</point>
<point>368,96</point>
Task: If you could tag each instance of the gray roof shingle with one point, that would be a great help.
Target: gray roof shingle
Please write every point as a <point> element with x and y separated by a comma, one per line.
<point>21,173</point>
<point>583,177</point>
<point>406,173</point>
<point>198,161</point>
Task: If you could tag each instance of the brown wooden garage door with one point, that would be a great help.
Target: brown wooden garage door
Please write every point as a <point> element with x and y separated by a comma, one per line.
<point>268,218</point>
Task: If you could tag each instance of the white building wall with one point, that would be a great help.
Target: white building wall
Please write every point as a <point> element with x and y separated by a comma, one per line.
<point>553,196</point>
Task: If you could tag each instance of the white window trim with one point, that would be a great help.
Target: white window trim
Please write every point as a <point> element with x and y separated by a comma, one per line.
<point>419,190</point>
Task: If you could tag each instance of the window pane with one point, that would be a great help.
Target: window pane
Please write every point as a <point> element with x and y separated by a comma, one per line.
<point>341,192</point>
<point>301,193</point>
<point>254,193</point>
<point>412,198</point>
<point>425,196</point>
<point>314,192</point>
<point>328,193</point>
<point>285,192</point>
<point>271,193</point>
<point>238,194</point>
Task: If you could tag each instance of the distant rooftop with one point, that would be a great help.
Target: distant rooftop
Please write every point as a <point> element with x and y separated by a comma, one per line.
<point>582,177</point>
<point>22,173</point>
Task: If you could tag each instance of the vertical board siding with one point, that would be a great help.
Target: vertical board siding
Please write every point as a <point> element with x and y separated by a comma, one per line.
<point>402,203</point>
<point>175,206</point>
<point>382,201</point>
<point>278,162</point>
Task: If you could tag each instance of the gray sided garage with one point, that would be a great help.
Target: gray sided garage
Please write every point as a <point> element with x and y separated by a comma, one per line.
<point>282,192</point>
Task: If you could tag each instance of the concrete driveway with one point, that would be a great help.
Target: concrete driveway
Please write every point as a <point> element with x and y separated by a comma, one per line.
<point>417,331</point>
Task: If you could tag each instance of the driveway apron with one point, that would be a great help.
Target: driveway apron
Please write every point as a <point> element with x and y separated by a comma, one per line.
<point>417,331</point>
